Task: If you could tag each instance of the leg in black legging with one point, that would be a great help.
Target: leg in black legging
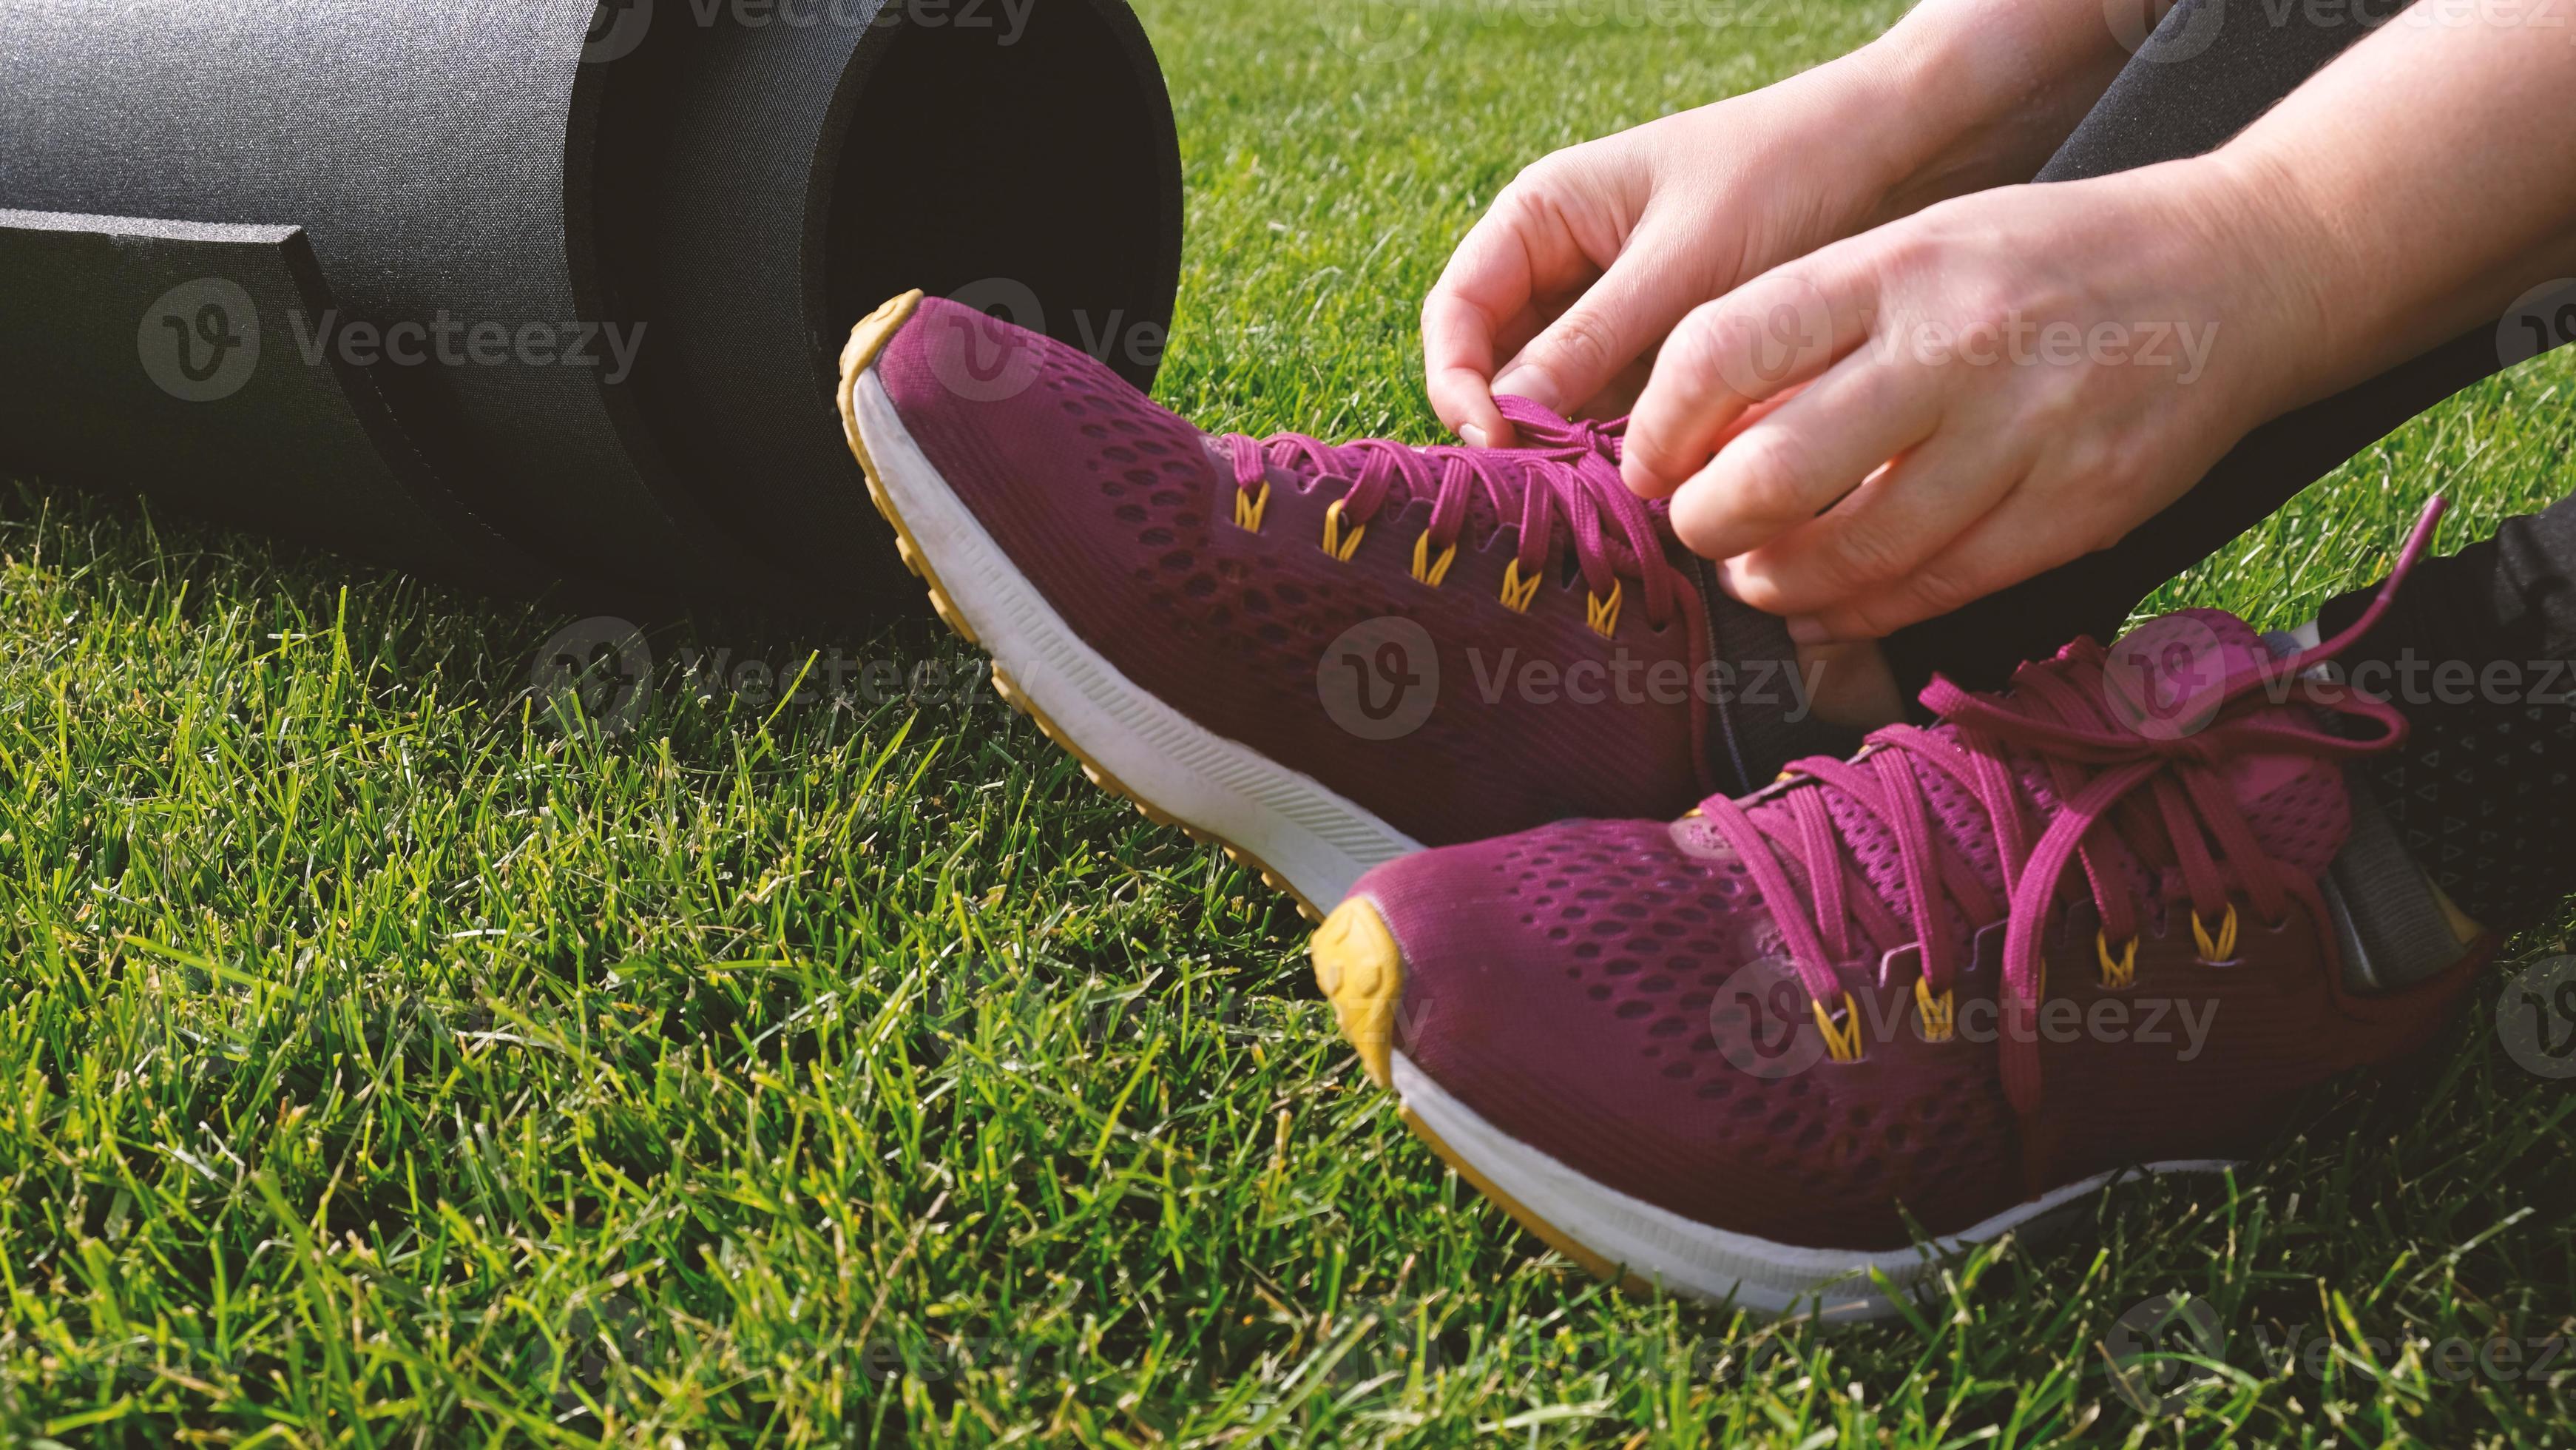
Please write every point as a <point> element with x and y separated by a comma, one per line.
<point>2211,69</point>
<point>2483,795</point>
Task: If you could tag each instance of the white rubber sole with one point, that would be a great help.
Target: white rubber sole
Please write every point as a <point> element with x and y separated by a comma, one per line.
<point>1663,1249</point>
<point>1307,837</point>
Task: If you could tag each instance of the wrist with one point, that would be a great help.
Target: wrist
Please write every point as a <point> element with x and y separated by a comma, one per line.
<point>1903,128</point>
<point>1965,95</point>
<point>2290,283</point>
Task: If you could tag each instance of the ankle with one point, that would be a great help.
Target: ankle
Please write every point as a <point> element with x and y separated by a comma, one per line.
<point>1851,684</point>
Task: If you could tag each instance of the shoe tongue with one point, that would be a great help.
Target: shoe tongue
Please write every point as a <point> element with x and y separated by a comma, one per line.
<point>1957,818</point>
<point>2173,671</point>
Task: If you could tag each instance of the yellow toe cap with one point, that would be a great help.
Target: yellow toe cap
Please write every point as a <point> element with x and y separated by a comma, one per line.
<point>1361,972</point>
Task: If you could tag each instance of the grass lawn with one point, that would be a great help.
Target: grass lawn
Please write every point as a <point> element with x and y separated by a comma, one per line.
<point>385,1064</point>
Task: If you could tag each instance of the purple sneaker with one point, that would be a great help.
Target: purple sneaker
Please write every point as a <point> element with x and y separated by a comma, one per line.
<point>1320,656</point>
<point>1956,981</point>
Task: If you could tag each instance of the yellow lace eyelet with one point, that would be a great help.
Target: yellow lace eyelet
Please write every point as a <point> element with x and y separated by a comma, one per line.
<point>1603,614</point>
<point>1517,591</point>
<point>1939,1015</point>
<point>1336,543</point>
<point>2221,950</point>
<point>1248,509</point>
<point>1842,1042</point>
<point>2120,971</point>
<point>1427,569</point>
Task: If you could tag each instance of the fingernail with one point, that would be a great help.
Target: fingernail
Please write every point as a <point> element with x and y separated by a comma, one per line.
<point>1730,579</point>
<point>1473,436</point>
<point>1806,629</point>
<point>1530,383</point>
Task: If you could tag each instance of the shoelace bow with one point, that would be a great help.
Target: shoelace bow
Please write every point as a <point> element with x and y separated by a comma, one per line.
<point>1565,473</point>
<point>2058,714</point>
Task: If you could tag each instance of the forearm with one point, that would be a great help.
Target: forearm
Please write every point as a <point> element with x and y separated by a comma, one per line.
<point>1980,93</point>
<point>2412,190</point>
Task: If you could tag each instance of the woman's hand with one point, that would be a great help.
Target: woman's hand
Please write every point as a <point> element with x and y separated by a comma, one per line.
<point>1883,431</point>
<point>1562,293</point>
<point>1913,418</point>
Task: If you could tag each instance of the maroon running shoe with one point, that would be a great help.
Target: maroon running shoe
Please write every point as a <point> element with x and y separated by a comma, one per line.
<point>1976,971</point>
<point>1321,656</point>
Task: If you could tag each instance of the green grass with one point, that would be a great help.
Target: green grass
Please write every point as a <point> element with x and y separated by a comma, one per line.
<point>386,1065</point>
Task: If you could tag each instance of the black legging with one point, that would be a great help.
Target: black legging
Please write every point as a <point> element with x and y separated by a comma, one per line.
<point>2167,105</point>
<point>2484,791</point>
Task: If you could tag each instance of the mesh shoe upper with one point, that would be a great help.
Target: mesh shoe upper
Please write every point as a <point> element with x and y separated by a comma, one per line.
<point>1131,523</point>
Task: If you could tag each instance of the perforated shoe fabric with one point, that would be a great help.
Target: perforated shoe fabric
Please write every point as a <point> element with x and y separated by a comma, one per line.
<point>1460,643</point>
<point>2071,930</point>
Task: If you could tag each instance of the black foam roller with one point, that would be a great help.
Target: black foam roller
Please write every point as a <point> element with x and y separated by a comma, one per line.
<point>578,272</point>
<point>180,395</point>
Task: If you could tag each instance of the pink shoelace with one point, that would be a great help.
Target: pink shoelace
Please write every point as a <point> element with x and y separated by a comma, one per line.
<point>2058,715</point>
<point>1566,473</point>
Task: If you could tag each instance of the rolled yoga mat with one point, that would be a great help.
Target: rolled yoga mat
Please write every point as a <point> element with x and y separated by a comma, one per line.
<point>518,289</point>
